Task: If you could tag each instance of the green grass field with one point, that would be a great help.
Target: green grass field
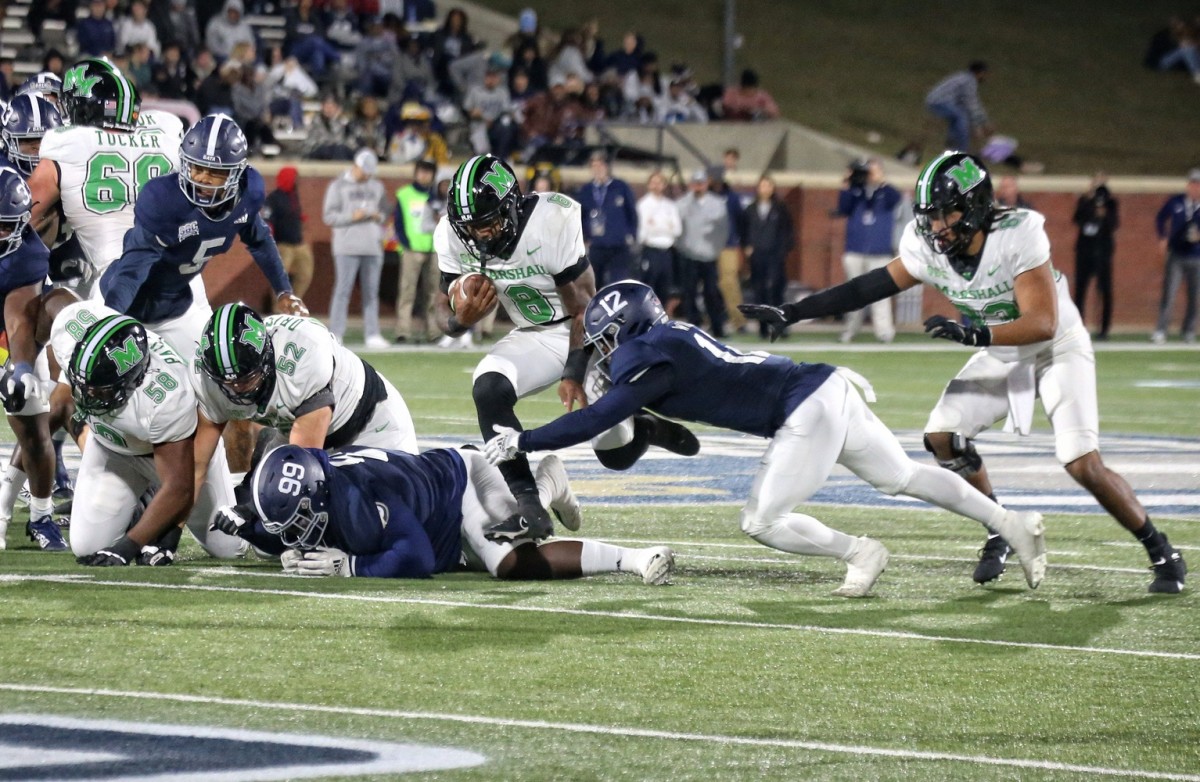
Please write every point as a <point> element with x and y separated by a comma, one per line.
<point>743,668</point>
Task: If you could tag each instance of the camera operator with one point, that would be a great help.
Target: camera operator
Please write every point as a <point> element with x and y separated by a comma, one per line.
<point>1096,216</point>
<point>869,205</point>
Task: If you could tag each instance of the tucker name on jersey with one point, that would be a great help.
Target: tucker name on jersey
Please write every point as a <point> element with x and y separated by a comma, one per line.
<point>161,410</point>
<point>551,241</point>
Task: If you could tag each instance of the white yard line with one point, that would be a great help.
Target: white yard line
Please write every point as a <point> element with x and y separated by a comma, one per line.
<point>92,583</point>
<point>613,730</point>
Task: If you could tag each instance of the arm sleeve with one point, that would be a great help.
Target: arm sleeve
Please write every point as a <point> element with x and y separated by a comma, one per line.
<point>853,294</point>
<point>410,554</point>
<point>620,402</point>
<point>122,281</point>
<point>257,237</point>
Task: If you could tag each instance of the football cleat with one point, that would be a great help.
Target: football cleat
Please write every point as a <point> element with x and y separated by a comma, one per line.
<point>552,476</point>
<point>656,568</point>
<point>863,568</point>
<point>45,533</point>
<point>672,436</point>
<point>993,558</point>
<point>1025,533</point>
<point>1169,572</point>
<point>515,527</point>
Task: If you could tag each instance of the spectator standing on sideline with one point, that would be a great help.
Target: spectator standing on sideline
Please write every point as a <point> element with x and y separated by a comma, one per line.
<point>282,212</point>
<point>731,261</point>
<point>955,99</point>
<point>767,238</point>
<point>1096,216</point>
<point>1178,225</point>
<point>610,222</point>
<point>869,205</point>
<point>1008,193</point>
<point>659,227</point>
<point>418,268</point>
<point>705,218</point>
<point>355,208</point>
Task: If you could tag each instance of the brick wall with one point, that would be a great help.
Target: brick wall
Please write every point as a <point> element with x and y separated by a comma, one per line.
<point>1138,268</point>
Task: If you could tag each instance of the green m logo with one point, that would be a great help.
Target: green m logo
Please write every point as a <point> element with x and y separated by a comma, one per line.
<point>254,334</point>
<point>126,357</point>
<point>966,174</point>
<point>500,179</point>
<point>78,82</point>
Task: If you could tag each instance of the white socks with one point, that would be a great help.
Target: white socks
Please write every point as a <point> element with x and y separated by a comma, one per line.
<point>10,487</point>
<point>596,557</point>
<point>801,534</point>
<point>39,507</point>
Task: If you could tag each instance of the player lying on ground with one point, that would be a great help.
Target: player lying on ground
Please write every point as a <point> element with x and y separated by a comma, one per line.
<point>388,514</point>
<point>993,264</point>
<point>812,413</point>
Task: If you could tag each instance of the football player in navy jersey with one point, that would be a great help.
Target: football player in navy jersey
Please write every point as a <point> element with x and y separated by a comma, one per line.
<point>389,514</point>
<point>181,222</point>
<point>24,264</point>
<point>812,413</point>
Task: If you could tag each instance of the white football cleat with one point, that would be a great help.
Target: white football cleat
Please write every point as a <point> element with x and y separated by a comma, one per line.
<point>657,565</point>
<point>1025,532</point>
<point>863,568</point>
<point>553,484</point>
<point>376,342</point>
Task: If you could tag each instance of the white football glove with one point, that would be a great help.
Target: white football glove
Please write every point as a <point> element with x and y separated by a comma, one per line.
<point>291,560</point>
<point>503,446</point>
<point>325,562</point>
<point>20,387</point>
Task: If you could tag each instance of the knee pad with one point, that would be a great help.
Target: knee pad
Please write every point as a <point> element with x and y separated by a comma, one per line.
<point>493,389</point>
<point>966,461</point>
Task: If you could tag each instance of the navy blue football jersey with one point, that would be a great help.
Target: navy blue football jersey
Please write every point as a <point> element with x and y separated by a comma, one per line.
<point>399,515</point>
<point>29,264</point>
<point>679,371</point>
<point>171,241</point>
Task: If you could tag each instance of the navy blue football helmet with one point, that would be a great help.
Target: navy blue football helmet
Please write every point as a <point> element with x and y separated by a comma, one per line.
<point>97,95</point>
<point>291,496</point>
<point>15,205</point>
<point>482,206</point>
<point>27,119</point>
<point>619,312</point>
<point>46,83</point>
<point>237,353</point>
<point>108,364</point>
<point>214,144</point>
<point>953,182</point>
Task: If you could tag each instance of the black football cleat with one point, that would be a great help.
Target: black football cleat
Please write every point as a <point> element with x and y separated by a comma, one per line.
<point>1169,572</point>
<point>993,558</point>
<point>672,436</point>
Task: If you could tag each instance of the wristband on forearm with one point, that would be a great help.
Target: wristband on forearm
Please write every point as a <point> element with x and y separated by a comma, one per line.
<point>852,295</point>
<point>576,366</point>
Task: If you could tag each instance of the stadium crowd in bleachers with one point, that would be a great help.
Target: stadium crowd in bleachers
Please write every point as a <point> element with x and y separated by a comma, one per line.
<point>323,78</point>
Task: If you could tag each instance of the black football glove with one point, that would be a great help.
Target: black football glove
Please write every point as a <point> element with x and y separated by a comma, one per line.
<point>162,551</point>
<point>970,335</point>
<point>121,553</point>
<point>775,317</point>
<point>234,520</point>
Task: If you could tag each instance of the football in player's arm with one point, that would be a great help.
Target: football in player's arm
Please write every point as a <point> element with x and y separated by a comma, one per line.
<point>812,413</point>
<point>387,514</point>
<point>994,265</point>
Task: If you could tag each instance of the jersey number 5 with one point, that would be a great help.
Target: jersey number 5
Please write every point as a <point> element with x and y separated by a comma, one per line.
<point>113,181</point>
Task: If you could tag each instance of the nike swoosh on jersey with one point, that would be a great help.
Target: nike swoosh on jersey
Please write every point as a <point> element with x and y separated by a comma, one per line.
<point>535,249</point>
<point>993,270</point>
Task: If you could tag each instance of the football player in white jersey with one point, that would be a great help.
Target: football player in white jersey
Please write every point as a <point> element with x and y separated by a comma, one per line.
<point>531,248</point>
<point>993,264</point>
<point>98,164</point>
<point>136,394</point>
<point>290,373</point>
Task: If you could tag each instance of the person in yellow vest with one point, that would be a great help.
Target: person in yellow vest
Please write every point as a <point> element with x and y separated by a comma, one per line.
<point>418,268</point>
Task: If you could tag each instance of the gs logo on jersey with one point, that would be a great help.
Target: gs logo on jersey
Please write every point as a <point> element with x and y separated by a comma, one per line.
<point>188,229</point>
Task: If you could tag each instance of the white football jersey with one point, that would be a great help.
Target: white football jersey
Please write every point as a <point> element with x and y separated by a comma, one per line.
<point>551,243</point>
<point>1016,244</point>
<point>307,361</point>
<point>161,410</point>
<point>102,171</point>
